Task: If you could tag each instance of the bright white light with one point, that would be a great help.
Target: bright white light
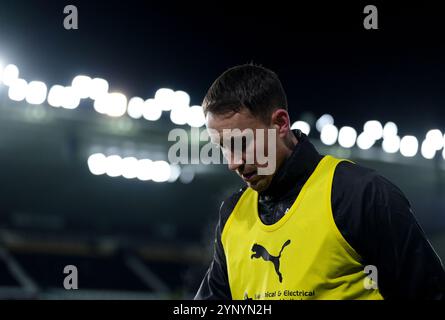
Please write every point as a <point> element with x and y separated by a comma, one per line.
<point>196,117</point>
<point>1,71</point>
<point>10,74</point>
<point>301,125</point>
<point>347,137</point>
<point>323,121</point>
<point>36,92</point>
<point>56,96</point>
<point>329,134</point>
<point>374,129</point>
<point>113,104</point>
<point>161,171</point>
<point>70,99</point>
<point>443,154</point>
<point>409,146</point>
<point>180,99</point>
<point>99,87</point>
<point>97,163</point>
<point>390,129</point>
<point>391,143</point>
<point>179,115</point>
<point>180,111</point>
<point>165,98</point>
<point>144,169</point>
<point>82,85</point>
<point>113,166</point>
<point>187,175</point>
<point>428,149</point>
<point>152,110</point>
<point>117,104</point>
<point>175,172</point>
<point>365,141</point>
<point>101,104</point>
<point>135,107</point>
<point>129,167</point>
<point>435,138</point>
<point>17,90</point>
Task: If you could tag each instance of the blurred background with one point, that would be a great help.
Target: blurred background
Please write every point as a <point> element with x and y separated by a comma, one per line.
<point>85,116</point>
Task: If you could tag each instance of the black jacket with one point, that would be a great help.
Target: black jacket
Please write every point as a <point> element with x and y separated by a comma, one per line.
<point>371,213</point>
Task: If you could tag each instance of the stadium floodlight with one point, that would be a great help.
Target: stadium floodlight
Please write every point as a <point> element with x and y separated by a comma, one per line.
<point>97,163</point>
<point>443,142</point>
<point>165,98</point>
<point>113,166</point>
<point>179,115</point>
<point>390,129</point>
<point>129,167</point>
<point>17,90</point>
<point>144,169</point>
<point>56,96</point>
<point>135,107</point>
<point>347,137</point>
<point>329,134</point>
<point>180,99</point>
<point>70,99</point>
<point>196,117</point>
<point>99,87</point>
<point>187,175</point>
<point>323,121</point>
<point>175,172</point>
<point>161,171</point>
<point>2,67</point>
<point>101,104</point>
<point>365,141</point>
<point>391,144</point>
<point>428,149</point>
<point>180,108</point>
<point>374,129</point>
<point>301,125</point>
<point>10,74</point>
<point>435,138</point>
<point>152,111</point>
<point>409,146</point>
<point>36,92</point>
<point>82,85</point>
<point>117,104</point>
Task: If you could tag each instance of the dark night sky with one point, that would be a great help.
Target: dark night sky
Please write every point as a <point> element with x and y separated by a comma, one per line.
<point>327,62</point>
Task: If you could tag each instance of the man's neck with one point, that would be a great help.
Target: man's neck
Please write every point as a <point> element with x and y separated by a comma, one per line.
<point>290,142</point>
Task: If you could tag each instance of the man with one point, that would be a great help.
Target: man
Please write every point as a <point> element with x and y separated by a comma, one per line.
<point>317,227</point>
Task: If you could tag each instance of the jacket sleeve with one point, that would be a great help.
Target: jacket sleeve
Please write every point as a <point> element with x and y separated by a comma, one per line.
<point>379,223</point>
<point>215,285</point>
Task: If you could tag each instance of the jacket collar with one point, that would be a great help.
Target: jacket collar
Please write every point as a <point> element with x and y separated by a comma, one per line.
<point>296,169</point>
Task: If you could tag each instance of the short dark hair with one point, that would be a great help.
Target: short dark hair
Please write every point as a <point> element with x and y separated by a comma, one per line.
<point>246,86</point>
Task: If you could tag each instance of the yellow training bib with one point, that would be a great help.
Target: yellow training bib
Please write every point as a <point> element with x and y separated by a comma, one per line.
<point>302,256</point>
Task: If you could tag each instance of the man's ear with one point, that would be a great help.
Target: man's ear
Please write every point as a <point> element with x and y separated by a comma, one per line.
<point>281,121</point>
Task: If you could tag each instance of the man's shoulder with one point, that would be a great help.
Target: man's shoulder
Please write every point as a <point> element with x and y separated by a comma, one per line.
<point>352,175</point>
<point>228,205</point>
<point>353,171</point>
<point>352,179</point>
